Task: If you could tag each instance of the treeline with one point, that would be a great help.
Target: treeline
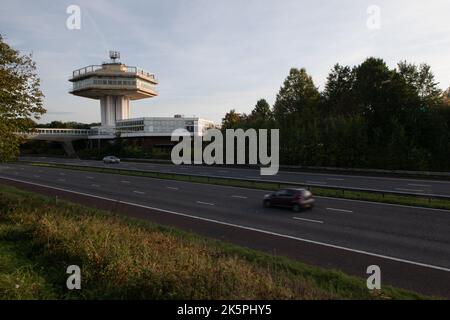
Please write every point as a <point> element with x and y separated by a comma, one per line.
<point>367,116</point>
<point>67,125</point>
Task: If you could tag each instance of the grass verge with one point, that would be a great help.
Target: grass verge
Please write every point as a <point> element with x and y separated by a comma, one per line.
<point>124,258</point>
<point>426,202</point>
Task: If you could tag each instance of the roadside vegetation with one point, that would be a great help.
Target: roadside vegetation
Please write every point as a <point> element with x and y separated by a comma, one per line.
<point>123,258</point>
<point>410,200</point>
<point>366,116</point>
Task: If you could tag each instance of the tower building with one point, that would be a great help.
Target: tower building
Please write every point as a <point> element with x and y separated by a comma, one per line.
<point>115,85</point>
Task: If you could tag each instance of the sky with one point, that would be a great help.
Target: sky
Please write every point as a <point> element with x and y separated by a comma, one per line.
<point>211,56</point>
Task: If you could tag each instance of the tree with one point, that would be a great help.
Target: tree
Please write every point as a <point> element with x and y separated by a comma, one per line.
<point>20,99</point>
<point>233,120</point>
<point>421,78</point>
<point>261,116</point>
<point>296,114</point>
<point>339,92</point>
<point>297,94</point>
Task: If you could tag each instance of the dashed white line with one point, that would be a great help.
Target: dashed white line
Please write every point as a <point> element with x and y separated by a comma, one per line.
<point>308,220</point>
<point>239,197</point>
<point>172,188</point>
<point>95,185</point>
<point>418,185</point>
<point>340,210</point>
<point>316,182</point>
<point>89,177</point>
<point>413,190</point>
<point>139,192</point>
<point>125,181</point>
<point>206,203</point>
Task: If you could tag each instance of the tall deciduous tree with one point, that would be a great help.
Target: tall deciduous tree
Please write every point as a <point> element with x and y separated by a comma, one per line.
<point>20,99</point>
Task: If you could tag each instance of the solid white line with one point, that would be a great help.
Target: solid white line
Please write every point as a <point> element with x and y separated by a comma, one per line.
<point>340,210</point>
<point>403,189</point>
<point>206,203</point>
<point>172,188</point>
<point>139,192</point>
<point>308,220</point>
<point>239,197</point>
<point>420,264</point>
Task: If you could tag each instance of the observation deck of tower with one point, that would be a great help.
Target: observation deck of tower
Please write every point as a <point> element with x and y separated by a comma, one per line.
<point>114,84</point>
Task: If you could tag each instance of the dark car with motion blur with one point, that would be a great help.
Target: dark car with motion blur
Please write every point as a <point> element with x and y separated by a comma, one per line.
<point>294,198</point>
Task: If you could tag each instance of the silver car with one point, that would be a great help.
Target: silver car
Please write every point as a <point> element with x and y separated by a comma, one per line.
<point>111,159</point>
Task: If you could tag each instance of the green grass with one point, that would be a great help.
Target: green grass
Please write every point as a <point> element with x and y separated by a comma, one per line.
<point>124,258</point>
<point>419,201</point>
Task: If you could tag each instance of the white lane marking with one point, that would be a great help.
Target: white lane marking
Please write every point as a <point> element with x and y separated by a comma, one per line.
<point>336,179</point>
<point>95,185</point>
<point>384,204</point>
<point>319,197</point>
<point>125,181</point>
<point>89,177</point>
<point>308,220</point>
<point>239,197</point>
<point>418,185</point>
<point>420,264</point>
<point>340,210</point>
<point>62,174</point>
<point>206,203</point>
<point>139,192</point>
<point>317,182</point>
<point>413,190</point>
<point>172,188</point>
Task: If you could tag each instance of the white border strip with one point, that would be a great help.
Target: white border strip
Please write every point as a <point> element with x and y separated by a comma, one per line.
<point>243,227</point>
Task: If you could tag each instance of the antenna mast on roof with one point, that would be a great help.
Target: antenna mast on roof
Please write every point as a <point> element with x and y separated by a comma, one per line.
<point>114,55</point>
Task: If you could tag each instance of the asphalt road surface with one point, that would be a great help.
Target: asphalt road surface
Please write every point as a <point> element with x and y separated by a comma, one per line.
<point>411,245</point>
<point>413,186</point>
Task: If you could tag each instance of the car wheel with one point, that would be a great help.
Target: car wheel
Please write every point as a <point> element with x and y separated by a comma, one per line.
<point>296,208</point>
<point>267,203</point>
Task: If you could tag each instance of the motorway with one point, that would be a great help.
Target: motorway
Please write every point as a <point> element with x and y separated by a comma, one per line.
<point>413,244</point>
<point>407,185</point>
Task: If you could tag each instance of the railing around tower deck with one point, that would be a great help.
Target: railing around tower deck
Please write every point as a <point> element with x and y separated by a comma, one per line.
<point>94,68</point>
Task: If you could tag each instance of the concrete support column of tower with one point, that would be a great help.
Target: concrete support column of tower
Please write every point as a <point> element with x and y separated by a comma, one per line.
<point>114,108</point>
<point>122,108</point>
